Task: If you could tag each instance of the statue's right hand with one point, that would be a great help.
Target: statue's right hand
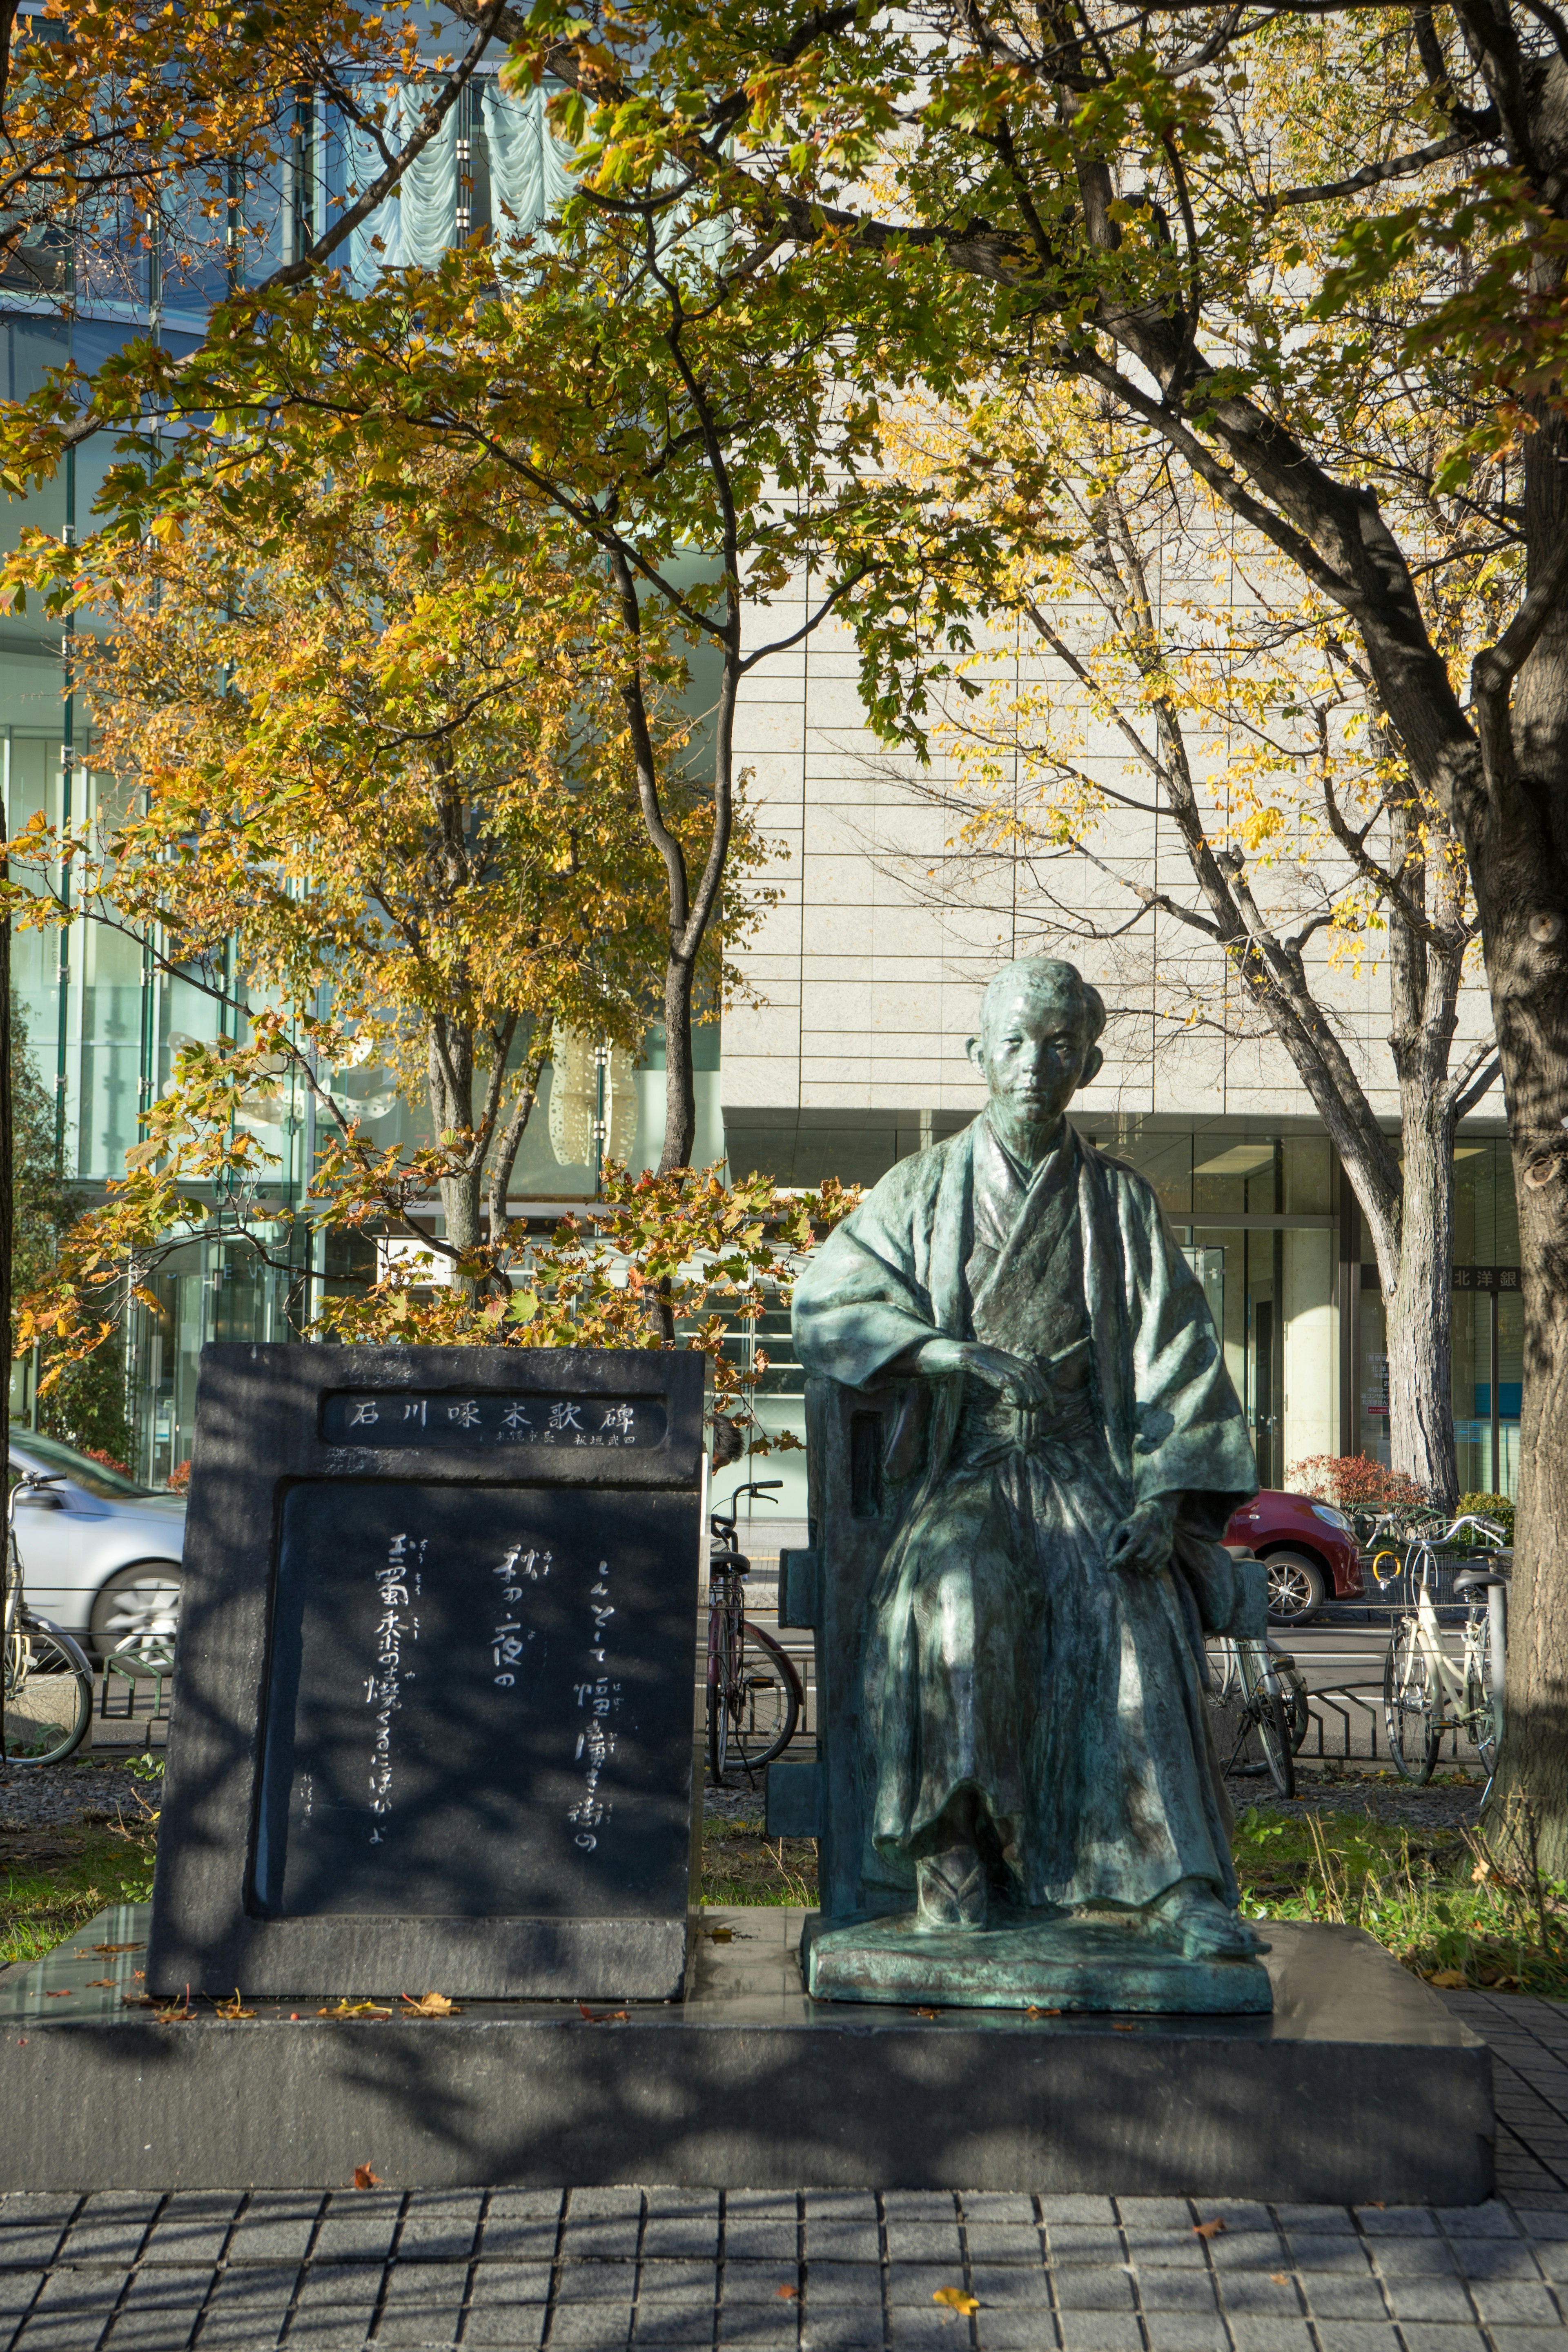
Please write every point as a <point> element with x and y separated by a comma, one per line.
<point>992,1367</point>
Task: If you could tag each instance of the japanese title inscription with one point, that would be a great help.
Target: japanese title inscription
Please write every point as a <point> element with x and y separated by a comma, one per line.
<point>462,1584</point>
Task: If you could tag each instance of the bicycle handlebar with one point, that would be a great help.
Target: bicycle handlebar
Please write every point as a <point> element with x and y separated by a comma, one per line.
<point>757,1486</point>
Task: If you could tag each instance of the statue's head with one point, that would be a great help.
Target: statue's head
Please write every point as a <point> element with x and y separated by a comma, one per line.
<point>1039,1026</point>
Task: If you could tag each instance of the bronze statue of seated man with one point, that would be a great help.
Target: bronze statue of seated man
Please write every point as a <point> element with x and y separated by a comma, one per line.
<point>1036,1728</point>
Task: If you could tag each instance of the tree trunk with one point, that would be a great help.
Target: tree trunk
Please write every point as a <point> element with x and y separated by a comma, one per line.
<point>679,1080</point>
<point>1418,1306</point>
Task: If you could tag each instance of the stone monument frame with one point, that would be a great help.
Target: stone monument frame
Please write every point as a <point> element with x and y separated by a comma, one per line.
<point>259,1434</point>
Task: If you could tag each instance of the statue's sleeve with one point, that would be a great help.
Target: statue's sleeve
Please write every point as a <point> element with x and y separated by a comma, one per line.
<point>861,1302</point>
<point>1189,1433</point>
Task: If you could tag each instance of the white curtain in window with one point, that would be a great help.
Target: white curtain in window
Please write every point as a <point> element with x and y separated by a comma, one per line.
<point>531,171</point>
<point>415,226</point>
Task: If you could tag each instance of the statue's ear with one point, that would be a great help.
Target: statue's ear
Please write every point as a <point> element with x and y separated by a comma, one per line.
<point>1093,1063</point>
<point>977,1052</point>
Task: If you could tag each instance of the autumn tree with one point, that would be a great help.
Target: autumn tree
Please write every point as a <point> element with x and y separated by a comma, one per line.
<point>380,784</point>
<point>1165,671</point>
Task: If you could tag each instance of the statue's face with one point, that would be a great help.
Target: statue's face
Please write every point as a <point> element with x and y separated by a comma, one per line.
<point>1035,1055</point>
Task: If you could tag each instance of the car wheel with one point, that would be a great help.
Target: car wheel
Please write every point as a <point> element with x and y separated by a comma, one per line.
<point>140,1605</point>
<point>1297,1588</point>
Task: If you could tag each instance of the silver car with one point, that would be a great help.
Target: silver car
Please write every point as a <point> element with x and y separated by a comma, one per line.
<point>100,1555</point>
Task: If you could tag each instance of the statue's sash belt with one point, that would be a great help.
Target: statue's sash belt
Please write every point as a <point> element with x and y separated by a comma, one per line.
<point>991,1428</point>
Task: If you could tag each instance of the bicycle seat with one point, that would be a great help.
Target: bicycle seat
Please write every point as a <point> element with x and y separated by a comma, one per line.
<point>1475,1579</point>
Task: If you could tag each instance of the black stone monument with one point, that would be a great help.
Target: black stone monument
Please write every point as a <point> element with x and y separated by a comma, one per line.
<point>433,1696</point>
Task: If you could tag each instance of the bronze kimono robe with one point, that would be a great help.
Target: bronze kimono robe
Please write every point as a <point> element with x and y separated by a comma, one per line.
<point>1002,1655</point>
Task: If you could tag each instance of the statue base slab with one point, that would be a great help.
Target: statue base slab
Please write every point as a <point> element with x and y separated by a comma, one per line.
<point>1359,2087</point>
<point>1060,1964</point>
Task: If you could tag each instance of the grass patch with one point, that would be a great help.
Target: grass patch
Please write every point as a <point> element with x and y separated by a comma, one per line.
<point>740,1864</point>
<point>52,1881</point>
<point>1456,1906</point>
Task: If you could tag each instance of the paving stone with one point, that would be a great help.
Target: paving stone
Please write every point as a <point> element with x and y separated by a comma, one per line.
<point>915,2284</point>
<point>924,2324</point>
<point>1086,2211</point>
<point>627,2200</point>
<point>997,2205</point>
<point>1325,2251</point>
<point>33,2208</point>
<point>931,2205</point>
<point>417,2331</point>
<point>1009,2242</point>
<point>828,2284</point>
<point>753,2283</point>
<point>597,2283</point>
<point>1431,2299</point>
<point>1100,2331</point>
<point>438,2234</point>
<point>260,2288</point>
<point>1082,2289</point>
<point>659,2280</point>
<point>1527,2339</point>
<point>17,2289</point>
<point>330,2285</point>
<point>752,2329</point>
<point>1019,2331</point>
<point>1079,2242</point>
<point>750,2241</point>
<point>1262,2250</point>
<point>109,2227</point>
<point>1253,2333</point>
<point>601,2237</point>
<point>676,2322</point>
<point>276,2227</point>
<point>1189,2291</point>
<point>1443,2339</point>
<point>1172,2331</point>
<point>34,2245</point>
<point>426,2286</point>
<point>519,2237</point>
<point>190,2228</point>
<point>72,2310</point>
<point>1493,2219</point>
<point>835,2327</point>
<point>1515,2303</point>
<point>330,2328</point>
<point>510,2282</point>
<point>507,2326</point>
<point>1329,2296</point>
<point>357,2227</point>
<point>1013,2288</point>
<point>1336,2218</point>
<point>677,2236</point>
<point>1163,2250</point>
<point>537,2203</point>
<point>1395,2220</point>
<point>1260,2293</point>
<point>1148,2213</point>
<point>1351,2335</point>
<point>918,2241</point>
<point>1418,2257</point>
<point>831,2240</point>
<point>591,2325</point>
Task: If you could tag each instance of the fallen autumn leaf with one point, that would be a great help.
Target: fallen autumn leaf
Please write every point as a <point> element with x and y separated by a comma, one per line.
<point>430,2004</point>
<point>365,2178</point>
<point>956,2299</point>
<point>1210,2229</point>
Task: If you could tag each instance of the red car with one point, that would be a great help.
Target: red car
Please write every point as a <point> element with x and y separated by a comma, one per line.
<point>1310,1548</point>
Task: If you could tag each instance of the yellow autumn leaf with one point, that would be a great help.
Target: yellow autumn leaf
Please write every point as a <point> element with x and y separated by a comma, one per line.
<point>429,2005</point>
<point>1261,826</point>
<point>957,2300</point>
<point>1447,1980</point>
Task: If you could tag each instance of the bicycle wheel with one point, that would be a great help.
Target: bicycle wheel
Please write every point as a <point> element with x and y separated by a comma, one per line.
<point>718,1713</point>
<point>1298,1713</point>
<point>1482,1712</point>
<point>1411,1708</point>
<point>1267,1712</point>
<point>48,1696</point>
<point>1224,1671</point>
<point>765,1700</point>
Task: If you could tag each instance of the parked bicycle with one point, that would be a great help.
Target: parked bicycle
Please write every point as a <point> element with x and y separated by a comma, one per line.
<point>1260,1688</point>
<point>45,1684</point>
<point>1422,1681</point>
<point>755,1692</point>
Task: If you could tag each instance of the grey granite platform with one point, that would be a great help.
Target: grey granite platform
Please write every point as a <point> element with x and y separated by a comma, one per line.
<point>1360,2086</point>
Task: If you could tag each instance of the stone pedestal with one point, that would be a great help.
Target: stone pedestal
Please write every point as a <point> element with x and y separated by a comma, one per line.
<point>1360,2086</point>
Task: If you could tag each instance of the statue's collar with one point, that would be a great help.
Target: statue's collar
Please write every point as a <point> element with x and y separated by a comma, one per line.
<point>1062,1141</point>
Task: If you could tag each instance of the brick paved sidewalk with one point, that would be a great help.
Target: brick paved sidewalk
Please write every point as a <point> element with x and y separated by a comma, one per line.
<point>601,2270</point>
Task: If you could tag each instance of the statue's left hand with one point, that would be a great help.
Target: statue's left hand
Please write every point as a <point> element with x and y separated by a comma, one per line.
<point>1143,1541</point>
